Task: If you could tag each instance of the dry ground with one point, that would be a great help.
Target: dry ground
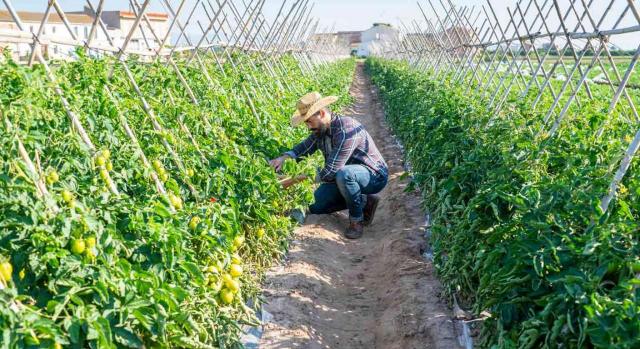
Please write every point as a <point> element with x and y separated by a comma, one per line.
<point>375,292</point>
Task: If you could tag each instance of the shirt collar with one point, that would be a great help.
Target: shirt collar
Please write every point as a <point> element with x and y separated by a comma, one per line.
<point>334,118</point>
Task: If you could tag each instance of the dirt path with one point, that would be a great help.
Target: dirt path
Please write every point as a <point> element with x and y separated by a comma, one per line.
<point>375,292</point>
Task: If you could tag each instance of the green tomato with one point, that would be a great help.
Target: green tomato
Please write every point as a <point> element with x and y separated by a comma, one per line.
<point>231,284</point>
<point>52,177</point>
<point>67,196</point>
<point>78,246</point>
<point>104,174</point>
<point>90,241</point>
<point>100,160</point>
<point>635,266</point>
<point>157,165</point>
<point>175,201</point>
<point>193,223</point>
<point>226,296</point>
<point>235,258</point>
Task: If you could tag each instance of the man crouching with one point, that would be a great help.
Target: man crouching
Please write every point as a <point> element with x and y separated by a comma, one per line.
<point>354,170</point>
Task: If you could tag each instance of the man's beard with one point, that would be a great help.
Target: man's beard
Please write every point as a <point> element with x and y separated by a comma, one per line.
<point>319,131</point>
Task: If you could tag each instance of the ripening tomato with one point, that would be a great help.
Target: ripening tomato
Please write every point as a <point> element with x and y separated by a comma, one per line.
<point>235,270</point>
<point>233,285</point>
<point>238,241</point>
<point>6,269</point>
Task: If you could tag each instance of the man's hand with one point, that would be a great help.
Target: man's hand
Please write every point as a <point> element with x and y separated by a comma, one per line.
<point>277,162</point>
<point>287,182</point>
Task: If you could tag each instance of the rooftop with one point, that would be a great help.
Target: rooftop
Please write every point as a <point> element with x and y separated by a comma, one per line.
<point>31,17</point>
<point>150,15</point>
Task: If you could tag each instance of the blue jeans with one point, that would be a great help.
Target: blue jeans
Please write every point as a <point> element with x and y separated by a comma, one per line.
<point>352,184</point>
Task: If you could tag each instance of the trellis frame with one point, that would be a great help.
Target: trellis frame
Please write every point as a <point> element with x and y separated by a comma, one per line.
<point>440,48</point>
<point>245,25</point>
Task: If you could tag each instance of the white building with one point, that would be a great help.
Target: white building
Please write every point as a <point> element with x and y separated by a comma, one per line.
<point>54,29</point>
<point>121,22</point>
<point>57,42</point>
<point>377,38</point>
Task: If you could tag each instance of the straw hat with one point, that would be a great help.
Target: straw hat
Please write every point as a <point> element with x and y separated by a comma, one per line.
<point>308,105</point>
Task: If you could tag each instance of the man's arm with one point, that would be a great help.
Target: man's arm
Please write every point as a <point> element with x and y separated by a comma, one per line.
<point>304,148</point>
<point>347,137</point>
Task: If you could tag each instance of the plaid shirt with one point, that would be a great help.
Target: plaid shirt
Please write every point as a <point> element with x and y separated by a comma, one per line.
<point>345,143</point>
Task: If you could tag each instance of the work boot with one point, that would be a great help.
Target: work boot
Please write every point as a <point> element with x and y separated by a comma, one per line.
<point>354,231</point>
<point>370,208</point>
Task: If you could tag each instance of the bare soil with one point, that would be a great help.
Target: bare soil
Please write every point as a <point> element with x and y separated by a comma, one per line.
<point>375,292</point>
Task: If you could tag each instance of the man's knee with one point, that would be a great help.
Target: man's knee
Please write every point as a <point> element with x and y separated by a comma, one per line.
<point>344,175</point>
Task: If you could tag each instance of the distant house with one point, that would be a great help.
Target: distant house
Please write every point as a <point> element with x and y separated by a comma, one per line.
<point>80,24</point>
<point>413,41</point>
<point>354,38</point>
<point>324,39</point>
<point>121,22</point>
<point>552,47</point>
<point>377,38</point>
<point>118,23</point>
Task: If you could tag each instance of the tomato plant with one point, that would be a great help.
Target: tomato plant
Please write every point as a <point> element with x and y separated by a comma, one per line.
<point>89,268</point>
<point>517,229</point>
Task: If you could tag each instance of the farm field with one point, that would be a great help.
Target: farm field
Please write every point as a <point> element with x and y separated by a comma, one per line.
<point>274,174</point>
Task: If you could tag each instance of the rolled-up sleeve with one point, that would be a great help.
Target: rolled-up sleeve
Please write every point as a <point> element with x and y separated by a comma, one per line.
<point>346,137</point>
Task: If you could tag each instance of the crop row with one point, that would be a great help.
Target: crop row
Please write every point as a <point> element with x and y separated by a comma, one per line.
<point>174,259</point>
<point>517,229</point>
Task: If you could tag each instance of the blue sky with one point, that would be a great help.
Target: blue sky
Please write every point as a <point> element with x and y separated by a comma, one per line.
<point>360,14</point>
<point>344,14</point>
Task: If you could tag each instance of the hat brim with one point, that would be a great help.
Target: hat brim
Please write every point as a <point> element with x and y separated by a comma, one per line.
<point>297,118</point>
